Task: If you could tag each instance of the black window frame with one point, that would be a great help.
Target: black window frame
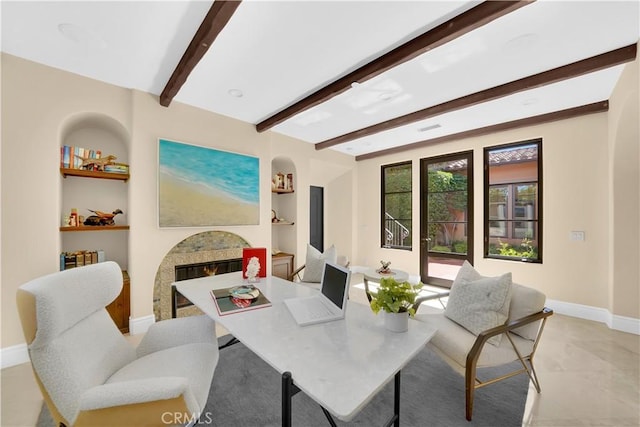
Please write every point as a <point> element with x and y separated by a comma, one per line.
<point>510,222</point>
<point>383,210</point>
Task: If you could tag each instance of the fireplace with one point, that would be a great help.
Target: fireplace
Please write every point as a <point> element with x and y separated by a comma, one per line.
<point>194,271</point>
<point>197,252</point>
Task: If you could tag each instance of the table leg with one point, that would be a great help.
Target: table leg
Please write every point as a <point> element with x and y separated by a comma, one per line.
<point>289,389</point>
<point>396,399</point>
<point>329,417</point>
<point>231,342</point>
<point>287,383</point>
<point>395,419</point>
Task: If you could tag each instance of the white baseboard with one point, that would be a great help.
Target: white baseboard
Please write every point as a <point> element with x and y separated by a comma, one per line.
<point>618,323</point>
<point>14,355</point>
<point>140,325</point>
<point>625,324</point>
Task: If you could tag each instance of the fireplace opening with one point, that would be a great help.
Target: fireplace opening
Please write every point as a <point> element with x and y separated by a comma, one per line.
<point>196,270</point>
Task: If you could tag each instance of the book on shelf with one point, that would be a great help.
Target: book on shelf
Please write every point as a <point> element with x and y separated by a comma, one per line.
<point>117,168</point>
<point>239,298</point>
<point>79,258</point>
<point>72,157</point>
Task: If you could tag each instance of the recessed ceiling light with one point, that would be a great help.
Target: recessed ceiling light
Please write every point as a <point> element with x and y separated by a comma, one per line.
<point>236,93</point>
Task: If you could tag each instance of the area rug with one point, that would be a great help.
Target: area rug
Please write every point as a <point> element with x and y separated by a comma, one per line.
<point>246,392</point>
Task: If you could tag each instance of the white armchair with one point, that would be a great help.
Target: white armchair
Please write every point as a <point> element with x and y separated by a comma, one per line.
<point>514,338</point>
<point>88,372</point>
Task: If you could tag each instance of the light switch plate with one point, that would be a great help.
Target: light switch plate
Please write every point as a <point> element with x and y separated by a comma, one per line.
<point>577,235</point>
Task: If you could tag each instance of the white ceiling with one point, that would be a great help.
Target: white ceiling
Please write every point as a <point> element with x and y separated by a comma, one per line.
<point>277,52</point>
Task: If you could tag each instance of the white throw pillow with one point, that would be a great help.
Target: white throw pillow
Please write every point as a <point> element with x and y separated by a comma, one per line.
<point>479,303</point>
<point>315,262</point>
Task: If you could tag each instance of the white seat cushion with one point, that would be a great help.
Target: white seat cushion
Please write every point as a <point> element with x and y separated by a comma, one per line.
<point>455,342</point>
<point>195,362</point>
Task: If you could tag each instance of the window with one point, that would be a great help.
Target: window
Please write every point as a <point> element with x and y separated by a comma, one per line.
<point>396,206</point>
<point>513,201</point>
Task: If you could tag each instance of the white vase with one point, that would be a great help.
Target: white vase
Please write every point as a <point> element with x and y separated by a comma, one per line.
<point>396,322</point>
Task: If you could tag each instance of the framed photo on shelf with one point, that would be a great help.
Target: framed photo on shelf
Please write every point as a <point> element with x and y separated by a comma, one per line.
<point>202,186</point>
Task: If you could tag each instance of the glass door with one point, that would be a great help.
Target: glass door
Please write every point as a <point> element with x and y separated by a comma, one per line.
<point>446,216</point>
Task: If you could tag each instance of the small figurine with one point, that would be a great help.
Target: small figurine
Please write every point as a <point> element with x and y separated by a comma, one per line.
<point>385,267</point>
<point>253,268</point>
<point>96,164</point>
<point>102,218</point>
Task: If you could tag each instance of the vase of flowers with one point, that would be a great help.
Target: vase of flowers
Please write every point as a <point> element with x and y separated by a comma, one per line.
<point>396,300</point>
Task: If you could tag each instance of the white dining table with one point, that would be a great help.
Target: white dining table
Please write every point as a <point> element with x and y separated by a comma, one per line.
<point>339,364</point>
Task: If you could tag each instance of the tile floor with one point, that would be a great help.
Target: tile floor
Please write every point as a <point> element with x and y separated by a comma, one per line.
<point>590,376</point>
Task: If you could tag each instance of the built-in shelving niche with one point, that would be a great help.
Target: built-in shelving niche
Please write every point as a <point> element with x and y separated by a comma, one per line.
<point>97,132</point>
<point>284,204</point>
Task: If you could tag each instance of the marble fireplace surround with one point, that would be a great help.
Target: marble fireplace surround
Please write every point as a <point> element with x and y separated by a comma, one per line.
<point>198,248</point>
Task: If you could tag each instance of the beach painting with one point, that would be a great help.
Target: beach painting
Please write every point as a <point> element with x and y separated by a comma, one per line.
<point>201,186</point>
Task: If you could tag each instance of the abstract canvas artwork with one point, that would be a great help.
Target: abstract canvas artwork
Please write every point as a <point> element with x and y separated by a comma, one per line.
<point>201,186</point>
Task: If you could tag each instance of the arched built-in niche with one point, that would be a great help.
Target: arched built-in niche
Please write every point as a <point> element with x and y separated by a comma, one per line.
<point>96,131</point>
<point>95,121</point>
<point>284,204</point>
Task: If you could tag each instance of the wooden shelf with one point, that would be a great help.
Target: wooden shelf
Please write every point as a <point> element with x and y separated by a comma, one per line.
<point>95,228</point>
<point>94,174</point>
<point>278,191</point>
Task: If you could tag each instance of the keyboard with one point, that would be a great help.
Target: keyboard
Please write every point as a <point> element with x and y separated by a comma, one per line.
<point>316,309</point>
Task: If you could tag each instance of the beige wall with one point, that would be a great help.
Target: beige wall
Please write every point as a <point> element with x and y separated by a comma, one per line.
<point>38,101</point>
<point>571,271</point>
<point>588,163</point>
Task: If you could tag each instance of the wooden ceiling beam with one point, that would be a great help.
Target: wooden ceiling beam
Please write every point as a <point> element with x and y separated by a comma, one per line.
<point>576,69</point>
<point>216,19</point>
<point>596,107</point>
<point>462,24</point>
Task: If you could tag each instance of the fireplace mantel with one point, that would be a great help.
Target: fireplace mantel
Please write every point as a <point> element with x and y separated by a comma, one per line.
<point>198,248</point>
